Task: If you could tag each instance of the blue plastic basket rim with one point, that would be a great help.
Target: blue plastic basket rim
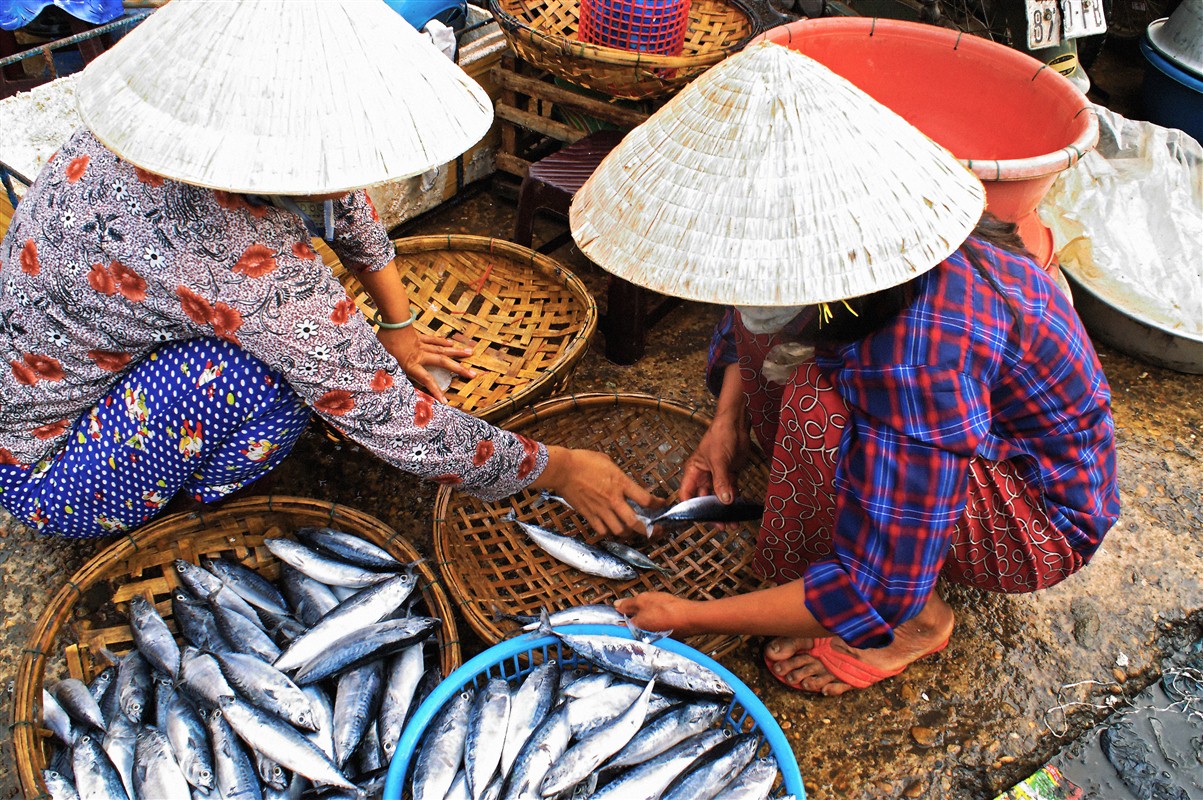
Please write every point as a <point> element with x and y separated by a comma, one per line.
<point>528,643</point>
<point>1168,68</point>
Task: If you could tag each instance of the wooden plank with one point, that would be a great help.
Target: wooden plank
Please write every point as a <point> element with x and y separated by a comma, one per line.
<point>512,164</point>
<point>540,124</point>
<point>623,117</point>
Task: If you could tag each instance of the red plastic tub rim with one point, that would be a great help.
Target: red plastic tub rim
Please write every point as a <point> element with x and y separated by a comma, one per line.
<point>803,34</point>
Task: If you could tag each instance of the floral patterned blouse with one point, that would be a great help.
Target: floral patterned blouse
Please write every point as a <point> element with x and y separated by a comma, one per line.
<point>104,262</point>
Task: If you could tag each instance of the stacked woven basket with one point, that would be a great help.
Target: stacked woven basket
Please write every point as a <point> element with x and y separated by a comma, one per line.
<point>545,34</point>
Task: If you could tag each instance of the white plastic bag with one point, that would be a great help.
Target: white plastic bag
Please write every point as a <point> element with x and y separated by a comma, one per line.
<point>1130,213</point>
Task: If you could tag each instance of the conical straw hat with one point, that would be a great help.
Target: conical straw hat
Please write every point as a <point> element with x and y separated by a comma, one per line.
<point>281,96</point>
<point>772,181</point>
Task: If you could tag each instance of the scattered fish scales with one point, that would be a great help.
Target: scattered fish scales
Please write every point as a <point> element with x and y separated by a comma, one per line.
<point>349,548</point>
<point>576,552</point>
<point>329,571</point>
<point>375,641</point>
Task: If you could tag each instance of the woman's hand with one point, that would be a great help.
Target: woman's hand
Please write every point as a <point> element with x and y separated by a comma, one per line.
<point>658,611</point>
<point>714,466</point>
<point>418,352</point>
<point>596,488</point>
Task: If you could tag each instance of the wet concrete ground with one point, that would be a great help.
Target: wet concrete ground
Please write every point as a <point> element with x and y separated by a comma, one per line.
<point>1022,676</point>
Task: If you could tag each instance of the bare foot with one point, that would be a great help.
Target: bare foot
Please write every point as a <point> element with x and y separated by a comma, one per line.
<point>790,659</point>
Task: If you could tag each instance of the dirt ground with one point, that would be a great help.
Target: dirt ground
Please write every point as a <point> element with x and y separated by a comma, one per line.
<point>1023,674</point>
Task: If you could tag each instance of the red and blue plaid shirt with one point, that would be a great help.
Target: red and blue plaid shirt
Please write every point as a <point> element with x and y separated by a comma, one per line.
<point>953,376</point>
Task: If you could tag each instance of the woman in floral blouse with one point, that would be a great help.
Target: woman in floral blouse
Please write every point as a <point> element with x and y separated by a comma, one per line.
<point>162,336</point>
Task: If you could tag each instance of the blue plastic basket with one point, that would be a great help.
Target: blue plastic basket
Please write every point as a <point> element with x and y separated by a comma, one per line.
<point>516,657</point>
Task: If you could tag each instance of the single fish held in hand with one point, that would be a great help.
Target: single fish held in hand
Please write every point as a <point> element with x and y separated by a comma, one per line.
<point>593,614</point>
<point>708,508</point>
<point>577,553</point>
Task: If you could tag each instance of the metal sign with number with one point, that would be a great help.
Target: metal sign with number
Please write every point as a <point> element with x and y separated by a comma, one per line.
<point>1044,23</point>
<point>1082,18</point>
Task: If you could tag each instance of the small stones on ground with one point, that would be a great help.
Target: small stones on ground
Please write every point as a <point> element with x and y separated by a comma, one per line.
<point>925,736</point>
<point>1086,622</point>
<point>914,790</point>
<point>1120,675</point>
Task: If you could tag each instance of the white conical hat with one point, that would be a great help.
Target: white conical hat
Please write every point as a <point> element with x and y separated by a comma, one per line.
<point>772,181</point>
<point>281,96</point>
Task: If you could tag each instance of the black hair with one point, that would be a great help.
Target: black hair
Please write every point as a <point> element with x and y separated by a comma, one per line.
<point>873,311</point>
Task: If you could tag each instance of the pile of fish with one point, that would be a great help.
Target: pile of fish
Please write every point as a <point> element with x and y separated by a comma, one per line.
<point>618,561</point>
<point>271,692</point>
<point>632,721</point>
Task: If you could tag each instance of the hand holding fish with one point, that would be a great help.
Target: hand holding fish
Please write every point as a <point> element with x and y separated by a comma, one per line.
<point>659,611</point>
<point>713,467</point>
<point>596,488</point>
<point>418,352</point>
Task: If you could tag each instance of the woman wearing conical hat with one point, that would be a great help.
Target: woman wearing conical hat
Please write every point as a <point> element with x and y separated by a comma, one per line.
<point>929,399</point>
<point>166,326</point>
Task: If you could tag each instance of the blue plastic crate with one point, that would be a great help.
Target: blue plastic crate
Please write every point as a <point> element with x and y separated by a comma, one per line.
<point>516,657</point>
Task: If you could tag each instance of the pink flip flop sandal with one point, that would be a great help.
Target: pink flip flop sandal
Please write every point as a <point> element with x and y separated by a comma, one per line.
<point>843,667</point>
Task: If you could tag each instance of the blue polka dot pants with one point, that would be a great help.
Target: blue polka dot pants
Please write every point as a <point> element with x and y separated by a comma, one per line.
<point>202,416</point>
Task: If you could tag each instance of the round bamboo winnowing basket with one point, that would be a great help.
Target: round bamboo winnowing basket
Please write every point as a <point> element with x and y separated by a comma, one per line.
<point>526,317</point>
<point>489,565</point>
<point>543,32</point>
<point>88,612</point>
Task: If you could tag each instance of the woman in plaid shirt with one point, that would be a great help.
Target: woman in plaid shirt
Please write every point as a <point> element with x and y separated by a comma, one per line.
<point>928,396</point>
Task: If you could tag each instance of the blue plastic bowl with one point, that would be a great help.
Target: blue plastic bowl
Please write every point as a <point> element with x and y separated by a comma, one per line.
<point>513,658</point>
<point>1173,98</point>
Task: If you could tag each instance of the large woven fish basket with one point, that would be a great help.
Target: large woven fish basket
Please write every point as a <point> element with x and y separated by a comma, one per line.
<point>527,318</point>
<point>544,33</point>
<point>89,611</point>
<point>490,565</point>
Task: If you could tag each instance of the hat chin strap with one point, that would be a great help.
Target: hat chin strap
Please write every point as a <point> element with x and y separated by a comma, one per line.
<point>326,230</point>
<point>761,320</point>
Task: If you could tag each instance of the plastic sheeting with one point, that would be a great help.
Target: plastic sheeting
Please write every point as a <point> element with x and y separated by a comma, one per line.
<point>18,13</point>
<point>1127,221</point>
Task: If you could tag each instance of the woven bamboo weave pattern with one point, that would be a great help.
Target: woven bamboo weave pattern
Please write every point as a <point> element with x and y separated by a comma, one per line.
<point>90,611</point>
<point>543,32</point>
<point>527,319</point>
<point>489,564</point>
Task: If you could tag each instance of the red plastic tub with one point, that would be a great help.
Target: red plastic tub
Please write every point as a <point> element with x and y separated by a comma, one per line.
<point>1016,123</point>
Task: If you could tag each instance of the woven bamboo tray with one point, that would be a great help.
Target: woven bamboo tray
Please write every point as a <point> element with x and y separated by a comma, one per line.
<point>543,32</point>
<point>89,611</point>
<point>528,319</point>
<point>488,564</point>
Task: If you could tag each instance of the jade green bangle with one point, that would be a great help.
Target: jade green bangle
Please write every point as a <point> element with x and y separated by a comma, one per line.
<point>393,326</point>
